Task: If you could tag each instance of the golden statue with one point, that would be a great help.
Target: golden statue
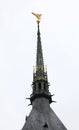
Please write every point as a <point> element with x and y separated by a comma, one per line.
<point>38,16</point>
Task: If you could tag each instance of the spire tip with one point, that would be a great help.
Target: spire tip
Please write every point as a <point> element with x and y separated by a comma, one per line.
<point>38,16</point>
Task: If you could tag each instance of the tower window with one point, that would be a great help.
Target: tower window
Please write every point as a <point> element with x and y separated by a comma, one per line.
<point>44,86</point>
<point>39,86</point>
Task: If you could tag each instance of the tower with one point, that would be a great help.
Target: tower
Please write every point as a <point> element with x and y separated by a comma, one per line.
<point>42,117</point>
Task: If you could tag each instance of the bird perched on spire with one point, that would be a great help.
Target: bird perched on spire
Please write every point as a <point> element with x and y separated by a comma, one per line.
<point>38,16</point>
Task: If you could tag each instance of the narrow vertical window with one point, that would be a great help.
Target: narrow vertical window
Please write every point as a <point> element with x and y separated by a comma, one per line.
<point>39,86</point>
<point>44,86</point>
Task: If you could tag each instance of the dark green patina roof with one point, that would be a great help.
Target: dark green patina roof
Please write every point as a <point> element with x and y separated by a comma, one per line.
<point>40,71</point>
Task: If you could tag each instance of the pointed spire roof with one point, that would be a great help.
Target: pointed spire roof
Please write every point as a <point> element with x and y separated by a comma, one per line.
<point>39,60</point>
<point>39,56</point>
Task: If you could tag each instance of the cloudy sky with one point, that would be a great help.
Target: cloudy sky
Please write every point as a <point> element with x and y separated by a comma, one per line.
<point>60,41</point>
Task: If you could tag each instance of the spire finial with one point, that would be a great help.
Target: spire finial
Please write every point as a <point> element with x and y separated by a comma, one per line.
<point>38,16</point>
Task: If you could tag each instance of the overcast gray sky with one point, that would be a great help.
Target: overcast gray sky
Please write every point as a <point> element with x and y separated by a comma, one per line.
<point>60,40</point>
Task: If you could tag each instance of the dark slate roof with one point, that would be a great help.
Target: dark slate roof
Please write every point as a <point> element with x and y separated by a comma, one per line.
<point>42,117</point>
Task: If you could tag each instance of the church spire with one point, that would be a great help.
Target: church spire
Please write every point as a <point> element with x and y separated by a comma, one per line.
<point>39,58</point>
<point>41,117</point>
<point>40,83</point>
